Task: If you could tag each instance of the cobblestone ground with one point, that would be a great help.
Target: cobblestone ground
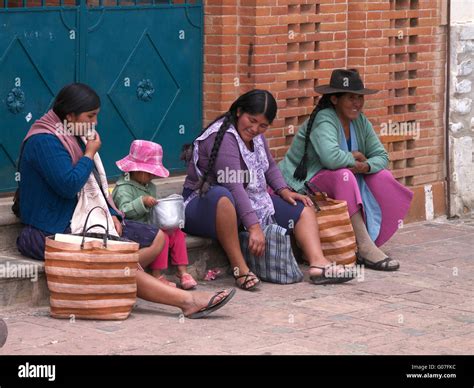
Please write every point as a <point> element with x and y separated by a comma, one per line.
<point>425,308</point>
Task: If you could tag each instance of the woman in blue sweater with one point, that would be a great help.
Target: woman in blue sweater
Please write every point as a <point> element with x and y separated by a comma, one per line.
<point>54,167</point>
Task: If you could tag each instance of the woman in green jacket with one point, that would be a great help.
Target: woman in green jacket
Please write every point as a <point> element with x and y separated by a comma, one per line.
<point>338,151</point>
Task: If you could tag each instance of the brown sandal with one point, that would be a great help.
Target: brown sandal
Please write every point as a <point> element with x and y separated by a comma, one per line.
<point>246,281</point>
<point>325,279</point>
<point>386,264</point>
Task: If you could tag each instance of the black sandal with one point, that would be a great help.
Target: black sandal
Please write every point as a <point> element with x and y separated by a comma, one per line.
<point>324,279</point>
<point>382,265</point>
<point>246,281</point>
<point>213,307</point>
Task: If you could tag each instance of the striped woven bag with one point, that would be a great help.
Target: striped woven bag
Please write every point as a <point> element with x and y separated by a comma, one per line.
<point>335,228</point>
<point>91,278</point>
<point>278,265</point>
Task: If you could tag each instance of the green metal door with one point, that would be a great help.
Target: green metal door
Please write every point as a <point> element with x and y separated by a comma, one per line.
<point>144,60</point>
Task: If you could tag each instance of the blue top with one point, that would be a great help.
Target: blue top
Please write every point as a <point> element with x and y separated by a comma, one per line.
<point>373,213</point>
<point>49,183</point>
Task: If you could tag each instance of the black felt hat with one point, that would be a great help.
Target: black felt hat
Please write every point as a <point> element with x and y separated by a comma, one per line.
<point>345,81</point>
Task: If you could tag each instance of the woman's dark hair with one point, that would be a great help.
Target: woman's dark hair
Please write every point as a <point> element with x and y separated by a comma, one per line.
<point>323,103</point>
<point>253,102</point>
<point>75,98</point>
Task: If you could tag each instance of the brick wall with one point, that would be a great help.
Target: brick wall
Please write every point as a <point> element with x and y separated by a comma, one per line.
<point>290,46</point>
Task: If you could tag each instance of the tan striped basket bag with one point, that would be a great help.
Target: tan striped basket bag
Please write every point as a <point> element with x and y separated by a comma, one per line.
<point>335,228</point>
<point>91,276</point>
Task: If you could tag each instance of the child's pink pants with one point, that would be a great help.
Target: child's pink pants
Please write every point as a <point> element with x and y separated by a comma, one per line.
<point>175,243</point>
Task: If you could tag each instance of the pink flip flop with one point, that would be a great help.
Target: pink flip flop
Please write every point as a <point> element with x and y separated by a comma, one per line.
<point>187,282</point>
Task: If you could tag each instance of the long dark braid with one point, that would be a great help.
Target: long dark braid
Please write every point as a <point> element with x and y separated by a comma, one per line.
<point>186,154</point>
<point>253,102</point>
<point>324,102</point>
<point>204,183</point>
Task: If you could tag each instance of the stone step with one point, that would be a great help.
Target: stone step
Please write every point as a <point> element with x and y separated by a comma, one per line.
<point>23,280</point>
<point>9,225</point>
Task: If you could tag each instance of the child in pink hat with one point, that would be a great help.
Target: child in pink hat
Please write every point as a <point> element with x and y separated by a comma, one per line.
<point>135,195</point>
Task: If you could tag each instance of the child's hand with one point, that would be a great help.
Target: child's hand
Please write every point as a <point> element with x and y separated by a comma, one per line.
<point>149,201</point>
<point>118,225</point>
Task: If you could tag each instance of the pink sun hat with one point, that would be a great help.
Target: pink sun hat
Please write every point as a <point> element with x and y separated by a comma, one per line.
<point>144,156</point>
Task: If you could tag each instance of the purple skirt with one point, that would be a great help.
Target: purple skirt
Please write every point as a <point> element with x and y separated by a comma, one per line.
<point>31,241</point>
<point>393,198</point>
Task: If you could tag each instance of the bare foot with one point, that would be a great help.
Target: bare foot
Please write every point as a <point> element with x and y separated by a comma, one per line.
<point>186,281</point>
<point>200,300</point>
<point>248,281</point>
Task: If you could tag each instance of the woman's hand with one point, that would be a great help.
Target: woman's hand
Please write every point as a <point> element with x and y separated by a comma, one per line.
<point>118,225</point>
<point>149,201</point>
<point>256,240</point>
<point>359,156</point>
<point>93,145</point>
<point>360,168</point>
<point>291,197</point>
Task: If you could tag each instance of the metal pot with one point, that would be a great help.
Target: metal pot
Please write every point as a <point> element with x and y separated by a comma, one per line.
<point>168,213</point>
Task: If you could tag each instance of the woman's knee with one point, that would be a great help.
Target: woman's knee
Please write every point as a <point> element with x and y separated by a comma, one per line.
<point>344,175</point>
<point>341,175</point>
<point>220,192</point>
<point>31,243</point>
<point>307,213</point>
<point>223,197</point>
<point>383,174</point>
<point>224,204</point>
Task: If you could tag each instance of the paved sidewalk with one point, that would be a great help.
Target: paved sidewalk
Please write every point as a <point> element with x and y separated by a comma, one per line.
<point>425,308</point>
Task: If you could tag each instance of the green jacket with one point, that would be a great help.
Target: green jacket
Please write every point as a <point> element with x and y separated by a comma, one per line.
<point>128,195</point>
<point>324,150</point>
